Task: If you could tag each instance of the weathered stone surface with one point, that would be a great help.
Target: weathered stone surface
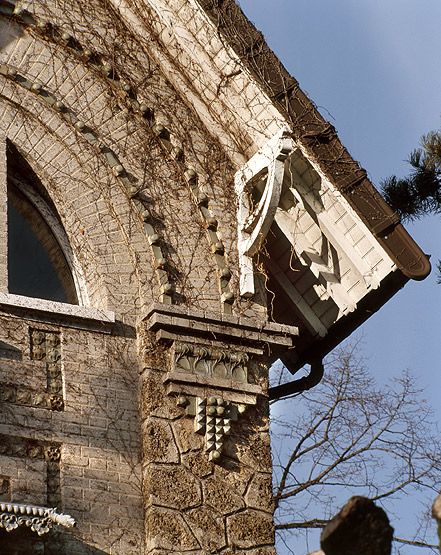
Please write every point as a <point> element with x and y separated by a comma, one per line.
<point>250,528</point>
<point>258,551</point>
<point>360,527</point>
<point>238,478</point>
<point>262,551</point>
<point>436,508</point>
<point>168,530</point>
<point>158,441</point>
<point>436,513</point>
<point>255,451</point>
<point>172,486</point>
<point>152,391</point>
<point>209,531</point>
<point>198,463</point>
<point>154,401</point>
<point>221,497</point>
<point>186,437</point>
<point>259,494</point>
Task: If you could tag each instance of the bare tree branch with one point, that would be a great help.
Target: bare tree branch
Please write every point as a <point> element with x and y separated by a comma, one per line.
<point>416,543</point>
<point>347,435</point>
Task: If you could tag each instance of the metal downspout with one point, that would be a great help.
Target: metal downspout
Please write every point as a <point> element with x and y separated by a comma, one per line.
<point>302,384</point>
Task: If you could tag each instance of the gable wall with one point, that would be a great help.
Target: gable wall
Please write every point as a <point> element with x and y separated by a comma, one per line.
<point>142,233</point>
<point>82,179</point>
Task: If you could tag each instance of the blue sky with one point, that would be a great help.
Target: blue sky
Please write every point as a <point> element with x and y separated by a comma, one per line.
<point>373,69</point>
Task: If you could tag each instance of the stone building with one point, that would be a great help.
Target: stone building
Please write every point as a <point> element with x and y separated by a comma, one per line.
<point>175,215</point>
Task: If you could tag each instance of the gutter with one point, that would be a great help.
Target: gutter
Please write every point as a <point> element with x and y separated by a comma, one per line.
<point>298,386</point>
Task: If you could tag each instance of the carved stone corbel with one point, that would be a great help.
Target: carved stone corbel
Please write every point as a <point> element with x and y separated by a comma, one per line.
<point>204,370</point>
<point>212,384</point>
<point>212,367</point>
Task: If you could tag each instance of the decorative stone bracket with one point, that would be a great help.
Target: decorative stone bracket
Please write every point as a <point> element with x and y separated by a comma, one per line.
<point>212,385</point>
<point>212,418</point>
<point>208,370</point>
<point>212,368</point>
<point>38,519</point>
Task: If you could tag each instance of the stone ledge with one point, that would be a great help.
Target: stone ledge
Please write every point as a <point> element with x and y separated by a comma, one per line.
<point>72,315</point>
<point>191,384</point>
<point>186,322</point>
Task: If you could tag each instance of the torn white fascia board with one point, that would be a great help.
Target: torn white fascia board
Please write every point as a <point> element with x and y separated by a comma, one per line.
<point>310,319</point>
<point>344,203</point>
<point>291,221</point>
<point>324,272</point>
<point>253,225</point>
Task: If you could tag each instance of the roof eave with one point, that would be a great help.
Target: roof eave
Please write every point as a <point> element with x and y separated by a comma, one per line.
<point>344,327</point>
<point>317,136</point>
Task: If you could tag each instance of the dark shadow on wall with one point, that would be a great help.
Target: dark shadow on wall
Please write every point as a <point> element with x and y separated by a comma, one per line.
<point>8,33</point>
<point>22,541</point>
<point>9,351</point>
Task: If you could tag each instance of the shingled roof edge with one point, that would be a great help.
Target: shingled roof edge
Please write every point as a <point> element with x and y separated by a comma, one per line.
<point>317,135</point>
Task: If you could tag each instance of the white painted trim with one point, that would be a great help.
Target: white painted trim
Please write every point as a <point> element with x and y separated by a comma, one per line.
<point>253,226</point>
<point>311,320</point>
<point>55,308</point>
<point>352,212</point>
<point>321,270</point>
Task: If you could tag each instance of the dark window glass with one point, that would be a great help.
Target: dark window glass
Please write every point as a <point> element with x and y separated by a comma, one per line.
<point>37,266</point>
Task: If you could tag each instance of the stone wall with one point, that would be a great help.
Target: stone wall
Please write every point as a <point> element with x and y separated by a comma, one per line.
<point>70,432</point>
<point>93,418</point>
<point>194,505</point>
<point>206,451</point>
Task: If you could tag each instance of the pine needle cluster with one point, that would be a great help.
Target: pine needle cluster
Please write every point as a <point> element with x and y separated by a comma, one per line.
<point>418,194</point>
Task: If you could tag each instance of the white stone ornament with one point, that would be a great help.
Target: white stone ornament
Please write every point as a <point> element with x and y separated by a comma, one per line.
<point>212,418</point>
<point>39,519</point>
<point>254,222</point>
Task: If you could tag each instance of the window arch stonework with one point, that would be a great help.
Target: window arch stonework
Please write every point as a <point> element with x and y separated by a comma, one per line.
<point>37,265</point>
<point>36,260</point>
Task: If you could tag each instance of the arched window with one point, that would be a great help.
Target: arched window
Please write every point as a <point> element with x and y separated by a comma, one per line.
<point>38,264</point>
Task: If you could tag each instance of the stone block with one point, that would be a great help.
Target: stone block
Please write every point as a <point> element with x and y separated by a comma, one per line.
<point>168,530</point>
<point>186,437</point>
<point>360,527</point>
<point>260,494</point>
<point>209,530</point>
<point>224,499</point>
<point>198,463</point>
<point>254,451</point>
<point>158,443</point>
<point>250,528</point>
<point>154,401</point>
<point>171,486</point>
<point>436,513</point>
